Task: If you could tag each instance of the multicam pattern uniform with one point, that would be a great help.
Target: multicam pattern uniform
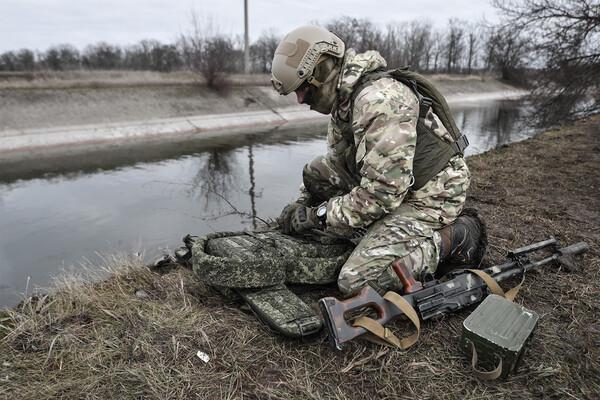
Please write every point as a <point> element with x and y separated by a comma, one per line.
<point>367,176</point>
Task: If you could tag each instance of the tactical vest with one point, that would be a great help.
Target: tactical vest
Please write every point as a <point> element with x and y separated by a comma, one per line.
<point>432,153</point>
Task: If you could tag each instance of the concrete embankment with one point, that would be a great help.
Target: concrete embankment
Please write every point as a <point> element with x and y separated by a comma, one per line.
<point>54,120</point>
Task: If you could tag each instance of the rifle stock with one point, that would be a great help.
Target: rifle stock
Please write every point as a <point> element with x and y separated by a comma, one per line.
<point>334,314</point>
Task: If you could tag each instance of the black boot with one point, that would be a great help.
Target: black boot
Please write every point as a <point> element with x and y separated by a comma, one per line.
<point>463,243</point>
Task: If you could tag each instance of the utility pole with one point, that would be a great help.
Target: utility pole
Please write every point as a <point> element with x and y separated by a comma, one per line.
<point>246,40</point>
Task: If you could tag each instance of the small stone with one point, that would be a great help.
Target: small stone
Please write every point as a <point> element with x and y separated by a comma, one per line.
<point>203,356</point>
<point>6,364</point>
<point>141,294</point>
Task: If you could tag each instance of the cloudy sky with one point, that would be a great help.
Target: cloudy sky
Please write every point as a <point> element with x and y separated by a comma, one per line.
<point>38,24</point>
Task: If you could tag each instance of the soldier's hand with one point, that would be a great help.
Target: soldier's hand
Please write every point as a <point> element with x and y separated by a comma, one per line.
<point>285,218</point>
<point>305,219</point>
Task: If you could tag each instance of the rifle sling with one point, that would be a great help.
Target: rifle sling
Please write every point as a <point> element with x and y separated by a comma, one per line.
<point>383,335</point>
<point>494,287</point>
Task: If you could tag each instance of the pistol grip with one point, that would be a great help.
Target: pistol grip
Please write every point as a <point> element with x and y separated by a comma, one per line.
<point>409,284</point>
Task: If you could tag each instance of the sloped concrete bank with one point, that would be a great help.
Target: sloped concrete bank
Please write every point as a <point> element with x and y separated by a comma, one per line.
<point>244,110</point>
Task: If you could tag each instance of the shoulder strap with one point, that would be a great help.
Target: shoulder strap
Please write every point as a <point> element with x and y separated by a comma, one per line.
<point>365,81</point>
<point>427,94</point>
<point>430,97</point>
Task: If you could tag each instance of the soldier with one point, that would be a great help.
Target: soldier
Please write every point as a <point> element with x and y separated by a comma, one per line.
<point>394,168</point>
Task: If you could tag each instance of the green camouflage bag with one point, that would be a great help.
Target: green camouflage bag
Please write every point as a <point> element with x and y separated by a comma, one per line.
<point>256,266</point>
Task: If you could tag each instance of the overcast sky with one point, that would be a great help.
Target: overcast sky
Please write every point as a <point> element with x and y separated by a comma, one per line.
<point>39,24</point>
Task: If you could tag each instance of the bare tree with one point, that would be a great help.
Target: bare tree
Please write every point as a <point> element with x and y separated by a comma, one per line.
<point>217,61</point>
<point>61,57</point>
<point>102,56</point>
<point>263,50</point>
<point>506,51</point>
<point>391,48</point>
<point>359,34</point>
<point>26,60</point>
<point>152,55</point>
<point>417,44</point>
<point>566,40</point>
<point>437,49</point>
<point>455,44</point>
<point>8,61</point>
<point>473,42</point>
<point>208,53</point>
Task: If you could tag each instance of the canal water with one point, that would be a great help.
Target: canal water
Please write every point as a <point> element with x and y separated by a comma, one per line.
<point>62,221</point>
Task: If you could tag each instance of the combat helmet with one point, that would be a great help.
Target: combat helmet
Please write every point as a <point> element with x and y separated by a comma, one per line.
<point>298,54</point>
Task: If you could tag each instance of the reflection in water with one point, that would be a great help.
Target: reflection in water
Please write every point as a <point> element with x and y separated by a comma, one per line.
<point>252,190</point>
<point>495,124</point>
<point>50,222</point>
<point>216,177</point>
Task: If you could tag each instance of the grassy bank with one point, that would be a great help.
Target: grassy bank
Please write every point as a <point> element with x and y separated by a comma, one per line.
<point>136,334</point>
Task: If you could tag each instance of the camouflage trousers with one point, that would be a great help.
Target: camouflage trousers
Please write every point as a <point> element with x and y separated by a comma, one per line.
<point>408,233</point>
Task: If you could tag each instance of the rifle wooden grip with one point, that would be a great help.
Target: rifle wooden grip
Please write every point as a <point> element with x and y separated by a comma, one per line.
<point>409,284</point>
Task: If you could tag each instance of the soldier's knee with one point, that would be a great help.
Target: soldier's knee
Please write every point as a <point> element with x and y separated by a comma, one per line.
<point>314,168</point>
<point>376,273</point>
<point>354,274</point>
<point>379,274</point>
<point>345,284</point>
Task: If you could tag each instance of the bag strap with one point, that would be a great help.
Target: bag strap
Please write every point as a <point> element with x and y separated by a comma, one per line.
<point>430,97</point>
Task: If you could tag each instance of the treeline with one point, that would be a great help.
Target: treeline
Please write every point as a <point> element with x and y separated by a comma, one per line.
<point>459,47</point>
<point>551,45</point>
<point>146,55</point>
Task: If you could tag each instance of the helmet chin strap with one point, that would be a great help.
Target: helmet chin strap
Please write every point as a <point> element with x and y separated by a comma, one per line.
<point>311,80</point>
<point>324,96</point>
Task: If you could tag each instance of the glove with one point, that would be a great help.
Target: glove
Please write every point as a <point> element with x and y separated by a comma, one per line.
<point>285,218</point>
<point>304,219</point>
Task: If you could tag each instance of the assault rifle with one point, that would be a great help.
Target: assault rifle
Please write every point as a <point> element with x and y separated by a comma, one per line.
<point>460,289</point>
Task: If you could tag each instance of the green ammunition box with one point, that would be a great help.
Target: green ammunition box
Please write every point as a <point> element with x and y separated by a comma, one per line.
<point>499,330</point>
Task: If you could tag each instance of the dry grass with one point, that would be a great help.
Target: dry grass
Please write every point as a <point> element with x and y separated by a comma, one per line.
<point>127,78</point>
<point>116,78</point>
<point>101,340</point>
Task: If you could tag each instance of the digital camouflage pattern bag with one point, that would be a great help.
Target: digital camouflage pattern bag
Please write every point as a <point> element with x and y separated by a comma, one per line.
<point>256,266</point>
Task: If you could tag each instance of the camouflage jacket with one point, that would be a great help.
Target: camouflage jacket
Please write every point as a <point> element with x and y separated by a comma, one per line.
<point>380,154</point>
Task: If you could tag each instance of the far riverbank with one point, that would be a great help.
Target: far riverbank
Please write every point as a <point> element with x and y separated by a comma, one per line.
<point>72,114</point>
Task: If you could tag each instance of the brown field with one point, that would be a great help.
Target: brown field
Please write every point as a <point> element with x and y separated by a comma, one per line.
<point>100,340</point>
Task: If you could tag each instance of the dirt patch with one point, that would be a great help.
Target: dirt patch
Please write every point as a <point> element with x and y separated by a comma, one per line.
<point>102,340</point>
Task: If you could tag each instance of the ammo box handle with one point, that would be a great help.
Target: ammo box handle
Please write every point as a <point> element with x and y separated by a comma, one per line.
<point>484,375</point>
